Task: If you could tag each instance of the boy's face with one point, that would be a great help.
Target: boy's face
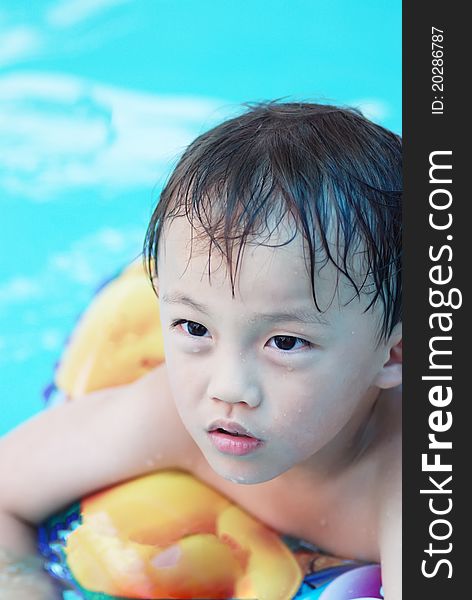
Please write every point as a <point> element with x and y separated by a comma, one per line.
<point>304,388</point>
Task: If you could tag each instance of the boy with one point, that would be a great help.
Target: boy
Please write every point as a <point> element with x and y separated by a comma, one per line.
<point>275,253</point>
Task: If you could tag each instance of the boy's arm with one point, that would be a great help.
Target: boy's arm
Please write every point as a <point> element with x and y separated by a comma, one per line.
<point>75,449</point>
<point>82,446</point>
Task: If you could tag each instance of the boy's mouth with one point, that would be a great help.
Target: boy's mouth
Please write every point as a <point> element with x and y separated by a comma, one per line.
<point>230,437</point>
<point>230,428</point>
<point>221,430</point>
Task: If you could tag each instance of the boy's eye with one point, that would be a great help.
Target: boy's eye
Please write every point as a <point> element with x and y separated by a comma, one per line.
<point>288,342</point>
<point>194,329</point>
<point>282,342</point>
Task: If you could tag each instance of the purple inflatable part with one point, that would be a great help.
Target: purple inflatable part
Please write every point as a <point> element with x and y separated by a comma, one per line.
<point>364,583</point>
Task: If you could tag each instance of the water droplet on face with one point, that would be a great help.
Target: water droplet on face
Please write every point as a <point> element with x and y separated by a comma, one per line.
<point>195,349</point>
<point>150,462</point>
<point>289,369</point>
<point>323,522</point>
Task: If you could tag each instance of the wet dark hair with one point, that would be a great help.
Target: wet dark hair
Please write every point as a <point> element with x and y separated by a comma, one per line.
<point>329,168</point>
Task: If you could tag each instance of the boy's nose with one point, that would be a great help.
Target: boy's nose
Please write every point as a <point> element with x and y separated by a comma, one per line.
<point>233,381</point>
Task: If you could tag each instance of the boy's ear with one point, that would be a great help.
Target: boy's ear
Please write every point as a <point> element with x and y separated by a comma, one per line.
<point>390,375</point>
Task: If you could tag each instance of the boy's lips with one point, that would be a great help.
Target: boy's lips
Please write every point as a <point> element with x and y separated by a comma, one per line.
<point>231,427</point>
<point>230,437</point>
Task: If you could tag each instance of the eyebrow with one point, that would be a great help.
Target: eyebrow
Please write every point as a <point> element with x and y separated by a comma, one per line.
<point>297,315</point>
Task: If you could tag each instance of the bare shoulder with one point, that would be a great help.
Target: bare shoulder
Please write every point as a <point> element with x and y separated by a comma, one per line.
<point>105,437</point>
<point>390,539</point>
<point>170,445</point>
<point>390,502</point>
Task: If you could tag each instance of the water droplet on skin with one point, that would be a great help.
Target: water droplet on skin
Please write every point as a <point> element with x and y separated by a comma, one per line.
<point>195,349</point>
<point>150,462</point>
<point>323,522</point>
<point>237,479</point>
<point>289,369</point>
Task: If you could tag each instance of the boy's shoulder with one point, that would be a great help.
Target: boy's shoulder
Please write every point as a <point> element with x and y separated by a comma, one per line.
<point>170,444</point>
<point>389,519</point>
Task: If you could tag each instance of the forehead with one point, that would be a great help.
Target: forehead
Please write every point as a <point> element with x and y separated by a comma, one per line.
<point>270,271</point>
<point>186,253</point>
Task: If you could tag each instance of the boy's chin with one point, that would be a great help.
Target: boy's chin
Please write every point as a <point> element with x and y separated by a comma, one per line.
<point>243,473</point>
